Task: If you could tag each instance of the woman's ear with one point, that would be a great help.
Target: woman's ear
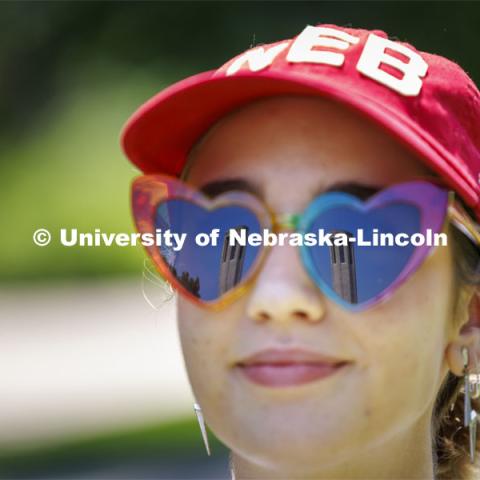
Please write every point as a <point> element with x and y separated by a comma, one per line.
<point>467,335</point>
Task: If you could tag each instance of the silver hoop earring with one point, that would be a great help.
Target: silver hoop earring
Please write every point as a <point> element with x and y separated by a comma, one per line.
<point>201,423</point>
<point>470,416</point>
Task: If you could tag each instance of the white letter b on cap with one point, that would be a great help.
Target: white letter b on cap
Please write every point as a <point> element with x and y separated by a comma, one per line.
<point>374,54</point>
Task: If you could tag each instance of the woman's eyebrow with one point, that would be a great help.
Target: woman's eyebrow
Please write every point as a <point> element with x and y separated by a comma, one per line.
<point>359,190</point>
<point>217,187</point>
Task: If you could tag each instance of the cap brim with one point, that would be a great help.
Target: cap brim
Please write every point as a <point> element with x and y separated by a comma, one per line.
<point>158,137</point>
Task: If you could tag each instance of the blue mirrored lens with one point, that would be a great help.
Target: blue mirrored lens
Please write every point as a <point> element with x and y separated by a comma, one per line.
<point>352,273</point>
<point>207,271</point>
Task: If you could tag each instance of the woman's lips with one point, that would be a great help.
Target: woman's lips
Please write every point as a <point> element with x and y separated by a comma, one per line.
<point>280,368</point>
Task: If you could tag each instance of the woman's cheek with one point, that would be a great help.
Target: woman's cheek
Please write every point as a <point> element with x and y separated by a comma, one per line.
<point>204,340</point>
<point>404,341</point>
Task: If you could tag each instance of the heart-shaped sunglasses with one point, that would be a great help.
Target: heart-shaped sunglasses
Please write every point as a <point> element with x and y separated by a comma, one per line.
<point>354,276</point>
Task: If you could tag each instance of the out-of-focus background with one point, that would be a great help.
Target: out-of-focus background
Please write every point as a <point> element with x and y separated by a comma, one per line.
<point>92,383</point>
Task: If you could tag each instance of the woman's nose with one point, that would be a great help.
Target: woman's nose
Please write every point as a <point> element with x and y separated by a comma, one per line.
<point>283,291</point>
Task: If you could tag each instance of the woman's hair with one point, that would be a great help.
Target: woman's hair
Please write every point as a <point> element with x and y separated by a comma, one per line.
<point>450,439</point>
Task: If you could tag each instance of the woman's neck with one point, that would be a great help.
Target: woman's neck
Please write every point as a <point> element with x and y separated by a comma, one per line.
<point>408,455</point>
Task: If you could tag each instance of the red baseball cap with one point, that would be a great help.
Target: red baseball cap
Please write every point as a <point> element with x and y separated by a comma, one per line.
<point>425,101</point>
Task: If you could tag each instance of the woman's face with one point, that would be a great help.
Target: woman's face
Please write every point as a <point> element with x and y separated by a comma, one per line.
<point>289,149</point>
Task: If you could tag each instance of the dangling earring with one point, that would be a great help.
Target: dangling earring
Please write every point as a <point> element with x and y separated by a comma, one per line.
<point>201,423</point>
<point>470,416</point>
<point>230,464</point>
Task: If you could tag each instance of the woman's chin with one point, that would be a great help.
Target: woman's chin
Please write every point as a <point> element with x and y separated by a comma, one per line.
<point>300,430</point>
<point>295,456</point>
<point>300,421</point>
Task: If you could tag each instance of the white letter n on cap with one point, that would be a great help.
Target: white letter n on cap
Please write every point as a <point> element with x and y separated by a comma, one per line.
<point>257,58</point>
<point>374,55</point>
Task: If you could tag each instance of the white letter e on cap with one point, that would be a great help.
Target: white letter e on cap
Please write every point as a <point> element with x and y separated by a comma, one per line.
<point>374,54</point>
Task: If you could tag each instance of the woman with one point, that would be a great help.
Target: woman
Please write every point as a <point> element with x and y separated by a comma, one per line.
<point>328,362</point>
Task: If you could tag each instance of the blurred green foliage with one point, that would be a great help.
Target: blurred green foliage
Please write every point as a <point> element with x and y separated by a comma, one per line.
<point>72,72</point>
<point>176,443</point>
